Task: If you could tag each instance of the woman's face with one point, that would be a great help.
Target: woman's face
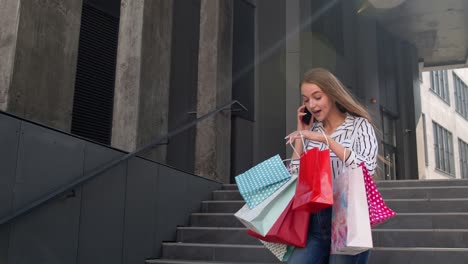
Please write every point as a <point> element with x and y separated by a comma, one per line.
<point>316,101</point>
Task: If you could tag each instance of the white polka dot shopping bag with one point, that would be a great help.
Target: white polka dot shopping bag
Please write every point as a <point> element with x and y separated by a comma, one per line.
<point>259,182</point>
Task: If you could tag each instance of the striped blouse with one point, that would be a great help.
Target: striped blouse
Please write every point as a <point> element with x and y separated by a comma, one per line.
<point>363,149</point>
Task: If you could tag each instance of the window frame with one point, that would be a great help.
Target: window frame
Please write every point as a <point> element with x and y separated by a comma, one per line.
<point>439,85</point>
<point>443,150</point>
<point>461,96</point>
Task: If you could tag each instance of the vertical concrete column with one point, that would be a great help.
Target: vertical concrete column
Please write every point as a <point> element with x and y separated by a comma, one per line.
<point>142,75</point>
<point>213,136</point>
<point>9,19</point>
<point>38,82</point>
<point>293,66</point>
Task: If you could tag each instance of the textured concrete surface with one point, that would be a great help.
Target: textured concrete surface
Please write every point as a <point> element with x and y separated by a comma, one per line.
<point>43,77</point>
<point>142,77</point>
<point>213,139</point>
<point>9,19</point>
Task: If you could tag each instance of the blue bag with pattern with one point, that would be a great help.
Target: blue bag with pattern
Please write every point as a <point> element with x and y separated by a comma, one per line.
<point>262,180</point>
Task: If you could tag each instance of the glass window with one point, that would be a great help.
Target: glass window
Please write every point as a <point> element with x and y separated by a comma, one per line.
<point>443,148</point>
<point>439,84</point>
<point>461,96</point>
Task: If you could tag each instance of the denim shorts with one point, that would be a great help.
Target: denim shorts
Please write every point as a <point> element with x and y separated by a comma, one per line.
<point>317,250</point>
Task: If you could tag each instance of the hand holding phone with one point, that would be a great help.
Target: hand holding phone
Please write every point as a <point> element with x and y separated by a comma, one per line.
<point>307,117</point>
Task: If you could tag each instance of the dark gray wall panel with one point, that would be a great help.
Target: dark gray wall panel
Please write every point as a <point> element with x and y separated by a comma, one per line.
<point>9,136</point>
<point>241,146</point>
<point>47,159</point>
<point>113,218</point>
<point>199,189</point>
<point>172,202</point>
<point>4,243</point>
<point>48,234</point>
<point>102,210</point>
<point>140,214</point>
<point>270,125</point>
<point>183,90</point>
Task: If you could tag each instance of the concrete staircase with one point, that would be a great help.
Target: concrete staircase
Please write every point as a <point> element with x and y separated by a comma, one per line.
<point>431,227</point>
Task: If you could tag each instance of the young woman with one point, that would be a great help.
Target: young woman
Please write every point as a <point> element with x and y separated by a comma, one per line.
<point>335,115</point>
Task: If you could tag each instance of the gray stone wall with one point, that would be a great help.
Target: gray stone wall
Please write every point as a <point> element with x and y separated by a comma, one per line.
<point>43,75</point>
<point>9,19</point>
<point>142,75</point>
<point>213,136</point>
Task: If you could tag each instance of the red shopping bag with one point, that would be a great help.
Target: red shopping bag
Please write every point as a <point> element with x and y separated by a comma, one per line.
<point>290,228</point>
<point>378,211</point>
<point>314,190</point>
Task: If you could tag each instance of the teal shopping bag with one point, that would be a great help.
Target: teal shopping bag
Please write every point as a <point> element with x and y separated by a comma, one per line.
<point>259,182</point>
<point>262,217</point>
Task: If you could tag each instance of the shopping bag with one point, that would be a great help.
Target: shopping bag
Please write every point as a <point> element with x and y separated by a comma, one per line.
<point>378,211</point>
<point>281,251</point>
<point>291,228</point>
<point>351,230</point>
<point>259,182</point>
<point>314,190</point>
<point>262,217</point>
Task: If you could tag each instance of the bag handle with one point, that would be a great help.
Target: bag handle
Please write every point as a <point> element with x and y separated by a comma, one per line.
<point>303,144</point>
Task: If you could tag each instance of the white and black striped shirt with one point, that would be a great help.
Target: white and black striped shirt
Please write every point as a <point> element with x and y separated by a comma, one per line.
<point>363,149</point>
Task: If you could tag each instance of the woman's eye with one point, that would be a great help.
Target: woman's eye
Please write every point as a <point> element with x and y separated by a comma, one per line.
<point>318,98</point>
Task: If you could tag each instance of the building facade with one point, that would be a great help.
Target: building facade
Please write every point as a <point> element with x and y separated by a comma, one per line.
<point>124,72</point>
<point>444,100</point>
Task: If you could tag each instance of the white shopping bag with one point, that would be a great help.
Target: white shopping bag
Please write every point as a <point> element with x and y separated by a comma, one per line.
<point>262,217</point>
<point>351,229</point>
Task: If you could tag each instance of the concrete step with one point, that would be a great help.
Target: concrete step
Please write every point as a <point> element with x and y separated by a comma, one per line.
<point>229,187</point>
<point>378,255</point>
<point>434,238</point>
<point>399,183</point>
<point>430,238</point>
<point>427,221</point>
<point>221,206</point>
<point>431,192</point>
<point>214,220</point>
<point>398,205</point>
<point>449,220</point>
<point>424,205</point>
<point>216,235</point>
<point>176,261</point>
<point>227,195</point>
<point>422,183</point>
<point>416,255</point>
<point>435,192</point>
<point>218,252</point>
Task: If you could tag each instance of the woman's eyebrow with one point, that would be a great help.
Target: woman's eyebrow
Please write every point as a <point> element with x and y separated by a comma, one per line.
<point>313,93</point>
<point>316,92</point>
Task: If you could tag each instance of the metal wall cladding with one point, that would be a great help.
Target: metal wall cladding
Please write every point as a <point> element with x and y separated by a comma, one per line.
<point>121,216</point>
<point>9,137</point>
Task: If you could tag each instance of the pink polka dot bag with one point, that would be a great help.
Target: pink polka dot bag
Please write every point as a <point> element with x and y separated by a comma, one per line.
<point>378,211</point>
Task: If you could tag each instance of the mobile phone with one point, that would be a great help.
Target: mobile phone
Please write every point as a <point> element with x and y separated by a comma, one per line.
<point>307,117</point>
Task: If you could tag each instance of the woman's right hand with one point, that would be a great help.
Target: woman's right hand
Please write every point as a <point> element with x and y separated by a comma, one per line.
<point>301,125</point>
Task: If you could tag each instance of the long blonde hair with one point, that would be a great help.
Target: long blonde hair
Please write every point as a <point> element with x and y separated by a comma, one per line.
<point>337,92</point>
